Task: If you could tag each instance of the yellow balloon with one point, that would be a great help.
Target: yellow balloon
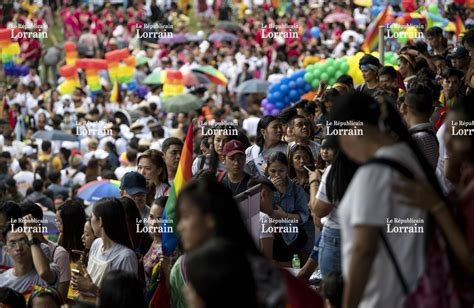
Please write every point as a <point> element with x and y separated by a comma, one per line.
<point>411,33</point>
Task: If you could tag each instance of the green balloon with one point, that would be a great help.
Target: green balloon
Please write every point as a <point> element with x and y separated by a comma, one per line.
<point>433,9</point>
<point>308,77</point>
<point>395,28</point>
<point>338,74</point>
<point>330,61</point>
<point>403,40</point>
<point>344,68</point>
<point>317,73</point>
<point>324,76</point>
<point>331,70</point>
<point>310,67</point>
<point>332,81</point>
<point>315,83</point>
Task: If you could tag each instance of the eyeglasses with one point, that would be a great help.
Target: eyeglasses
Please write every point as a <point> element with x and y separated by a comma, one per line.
<point>13,244</point>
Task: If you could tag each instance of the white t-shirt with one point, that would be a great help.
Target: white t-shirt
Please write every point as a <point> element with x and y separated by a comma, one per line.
<point>331,221</point>
<point>370,200</point>
<point>24,283</point>
<point>24,180</point>
<point>120,171</point>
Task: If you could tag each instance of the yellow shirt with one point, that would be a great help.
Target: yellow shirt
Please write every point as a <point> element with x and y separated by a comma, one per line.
<point>56,163</point>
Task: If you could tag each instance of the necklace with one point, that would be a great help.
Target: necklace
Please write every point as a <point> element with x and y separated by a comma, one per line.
<point>232,187</point>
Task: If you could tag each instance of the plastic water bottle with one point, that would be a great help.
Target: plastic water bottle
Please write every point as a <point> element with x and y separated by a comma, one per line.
<point>296,262</point>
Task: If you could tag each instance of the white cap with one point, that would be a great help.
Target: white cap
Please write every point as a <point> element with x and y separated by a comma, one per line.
<point>28,150</point>
<point>101,154</point>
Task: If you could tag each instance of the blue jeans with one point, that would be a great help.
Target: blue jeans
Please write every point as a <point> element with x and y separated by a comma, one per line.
<point>330,251</point>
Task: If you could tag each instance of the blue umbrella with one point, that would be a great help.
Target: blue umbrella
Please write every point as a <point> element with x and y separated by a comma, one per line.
<point>96,190</point>
<point>253,86</point>
<point>222,37</point>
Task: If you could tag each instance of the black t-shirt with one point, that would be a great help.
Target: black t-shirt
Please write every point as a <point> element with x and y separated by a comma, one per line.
<point>236,188</point>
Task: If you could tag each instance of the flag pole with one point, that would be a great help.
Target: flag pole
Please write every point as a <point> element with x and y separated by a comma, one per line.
<point>381,43</point>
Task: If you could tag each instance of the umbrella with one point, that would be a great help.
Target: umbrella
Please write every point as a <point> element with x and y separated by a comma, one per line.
<point>182,103</point>
<point>153,78</point>
<point>364,3</point>
<point>194,79</point>
<point>212,74</point>
<point>54,135</point>
<point>193,37</point>
<point>359,38</point>
<point>141,60</point>
<point>253,86</point>
<point>228,26</point>
<point>222,37</point>
<point>338,17</point>
<point>178,38</point>
<point>96,190</point>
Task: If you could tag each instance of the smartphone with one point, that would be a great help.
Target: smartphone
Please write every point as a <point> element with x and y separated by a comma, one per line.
<point>76,271</point>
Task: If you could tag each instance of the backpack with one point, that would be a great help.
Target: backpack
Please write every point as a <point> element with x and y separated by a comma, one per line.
<point>48,166</point>
<point>435,288</point>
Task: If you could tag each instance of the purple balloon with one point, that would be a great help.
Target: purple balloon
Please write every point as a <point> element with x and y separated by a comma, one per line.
<point>275,112</point>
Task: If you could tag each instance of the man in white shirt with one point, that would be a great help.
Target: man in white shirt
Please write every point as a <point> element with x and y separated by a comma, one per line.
<point>30,265</point>
<point>25,177</point>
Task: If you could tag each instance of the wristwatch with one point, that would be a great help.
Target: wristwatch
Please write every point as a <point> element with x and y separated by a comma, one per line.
<point>34,241</point>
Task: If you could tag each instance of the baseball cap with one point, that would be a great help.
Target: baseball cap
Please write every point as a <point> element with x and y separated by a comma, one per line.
<point>233,147</point>
<point>133,183</point>
<point>28,150</point>
<point>459,53</point>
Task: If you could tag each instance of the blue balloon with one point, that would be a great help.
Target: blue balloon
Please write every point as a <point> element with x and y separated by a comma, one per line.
<point>272,88</point>
<point>284,89</point>
<point>294,95</point>
<point>292,85</point>
<point>315,32</point>
<point>287,99</point>
<point>285,80</point>
<point>277,96</point>
<point>300,73</point>
<point>280,105</point>
<point>307,87</point>
<point>300,82</point>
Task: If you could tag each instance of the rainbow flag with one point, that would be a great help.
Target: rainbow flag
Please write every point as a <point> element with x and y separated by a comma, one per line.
<point>183,175</point>
<point>459,26</point>
<point>372,36</point>
<point>157,295</point>
<point>115,95</point>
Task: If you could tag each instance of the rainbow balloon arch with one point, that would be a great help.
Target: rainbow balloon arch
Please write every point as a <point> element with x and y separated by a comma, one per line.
<point>290,89</point>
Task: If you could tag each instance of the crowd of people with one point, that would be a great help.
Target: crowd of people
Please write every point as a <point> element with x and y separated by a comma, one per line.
<point>369,187</point>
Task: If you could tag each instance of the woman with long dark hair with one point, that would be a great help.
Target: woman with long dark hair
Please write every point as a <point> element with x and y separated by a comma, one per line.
<point>152,165</point>
<point>70,219</point>
<point>113,249</point>
<point>268,141</point>
<point>370,208</point>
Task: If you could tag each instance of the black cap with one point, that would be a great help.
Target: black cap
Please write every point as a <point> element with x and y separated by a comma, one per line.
<point>133,183</point>
<point>459,53</point>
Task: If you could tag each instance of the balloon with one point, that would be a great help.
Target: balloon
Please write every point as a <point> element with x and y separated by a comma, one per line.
<point>308,77</point>
<point>307,87</point>
<point>344,68</point>
<point>412,33</point>
<point>331,71</point>
<point>277,96</point>
<point>275,112</point>
<point>395,28</point>
<point>330,62</point>
<point>315,32</point>
<point>300,82</point>
<point>292,84</point>
<point>280,105</point>
<point>293,95</point>
<point>433,8</point>
<point>315,83</point>
<point>403,40</point>
<point>284,89</point>
<point>324,76</point>
<point>317,73</point>
<point>338,74</point>
<point>332,81</point>
<point>285,80</point>
<point>273,88</point>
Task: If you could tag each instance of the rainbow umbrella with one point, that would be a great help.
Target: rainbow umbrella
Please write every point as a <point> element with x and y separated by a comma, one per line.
<point>192,79</point>
<point>96,190</point>
<point>212,74</point>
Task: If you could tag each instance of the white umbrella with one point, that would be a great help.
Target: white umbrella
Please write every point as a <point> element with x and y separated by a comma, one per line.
<point>358,38</point>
